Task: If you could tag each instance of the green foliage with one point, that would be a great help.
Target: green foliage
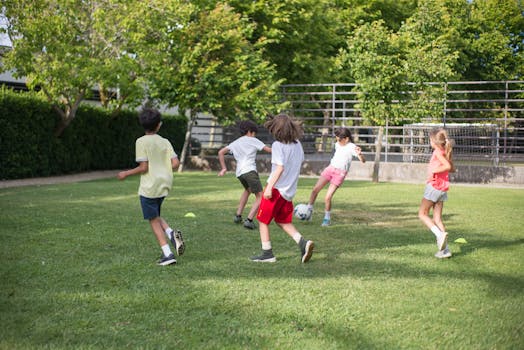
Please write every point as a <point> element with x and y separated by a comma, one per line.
<point>95,139</point>
<point>374,58</point>
<point>214,67</point>
<point>90,280</point>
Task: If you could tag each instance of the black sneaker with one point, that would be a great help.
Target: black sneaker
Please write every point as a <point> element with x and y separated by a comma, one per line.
<point>249,224</point>
<point>167,260</point>
<point>266,256</point>
<point>306,249</point>
<point>237,219</point>
<point>178,242</point>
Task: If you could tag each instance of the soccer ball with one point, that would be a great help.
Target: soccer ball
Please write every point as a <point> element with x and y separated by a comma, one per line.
<point>302,212</point>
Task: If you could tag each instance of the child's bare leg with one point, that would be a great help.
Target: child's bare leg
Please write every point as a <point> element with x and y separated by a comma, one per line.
<point>289,228</point>
<point>321,182</point>
<point>329,196</point>
<point>264,233</point>
<point>242,202</point>
<point>156,226</point>
<point>437,215</point>
<point>256,204</point>
<point>163,223</point>
<point>423,212</point>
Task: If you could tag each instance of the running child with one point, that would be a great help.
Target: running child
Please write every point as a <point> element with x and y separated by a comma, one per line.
<point>156,161</point>
<point>335,172</point>
<point>245,149</point>
<point>287,156</point>
<point>437,185</point>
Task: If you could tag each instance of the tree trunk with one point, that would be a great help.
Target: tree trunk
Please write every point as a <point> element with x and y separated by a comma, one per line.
<point>378,150</point>
<point>67,114</point>
<point>190,123</point>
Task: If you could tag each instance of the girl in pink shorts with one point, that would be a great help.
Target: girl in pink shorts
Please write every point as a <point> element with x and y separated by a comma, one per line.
<point>336,171</point>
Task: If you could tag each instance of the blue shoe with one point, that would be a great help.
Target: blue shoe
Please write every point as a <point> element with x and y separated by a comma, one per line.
<point>326,222</point>
<point>167,260</point>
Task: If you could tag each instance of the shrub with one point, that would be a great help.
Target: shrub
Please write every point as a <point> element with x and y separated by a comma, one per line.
<point>95,139</point>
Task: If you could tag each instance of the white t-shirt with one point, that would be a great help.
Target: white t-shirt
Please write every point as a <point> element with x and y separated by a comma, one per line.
<point>343,156</point>
<point>291,156</point>
<point>245,149</point>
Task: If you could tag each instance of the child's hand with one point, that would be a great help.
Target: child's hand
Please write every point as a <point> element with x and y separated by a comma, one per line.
<point>121,175</point>
<point>268,193</point>
<point>222,172</point>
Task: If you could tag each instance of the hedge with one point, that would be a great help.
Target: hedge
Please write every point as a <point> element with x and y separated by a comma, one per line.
<point>95,140</point>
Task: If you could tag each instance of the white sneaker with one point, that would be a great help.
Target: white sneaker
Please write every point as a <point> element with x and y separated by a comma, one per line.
<point>309,214</point>
<point>442,241</point>
<point>442,254</point>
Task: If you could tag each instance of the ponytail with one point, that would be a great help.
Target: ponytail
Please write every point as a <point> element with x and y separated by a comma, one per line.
<point>440,137</point>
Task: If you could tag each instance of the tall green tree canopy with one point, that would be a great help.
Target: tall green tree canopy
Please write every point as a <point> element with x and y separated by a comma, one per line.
<point>68,48</point>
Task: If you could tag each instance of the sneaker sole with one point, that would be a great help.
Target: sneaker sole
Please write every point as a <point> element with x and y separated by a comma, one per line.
<point>182,247</point>
<point>443,256</point>
<point>309,251</point>
<point>272,260</point>
<point>167,262</point>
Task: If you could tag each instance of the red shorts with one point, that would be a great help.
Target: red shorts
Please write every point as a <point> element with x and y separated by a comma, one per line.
<point>276,208</point>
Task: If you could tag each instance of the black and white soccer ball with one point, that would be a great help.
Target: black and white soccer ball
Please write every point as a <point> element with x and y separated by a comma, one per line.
<point>302,212</point>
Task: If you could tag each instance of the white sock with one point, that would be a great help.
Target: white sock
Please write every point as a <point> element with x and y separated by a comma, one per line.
<point>166,250</point>
<point>327,215</point>
<point>266,245</point>
<point>169,232</point>
<point>436,231</point>
<point>310,206</point>
<point>297,236</point>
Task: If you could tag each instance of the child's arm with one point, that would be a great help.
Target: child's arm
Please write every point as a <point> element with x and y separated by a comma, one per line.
<point>267,149</point>
<point>222,161</point>
<point>175,162</point>
<point>445,165</point>
<point>360,155</point>
<point>275,175</point>
<point>140,169</point>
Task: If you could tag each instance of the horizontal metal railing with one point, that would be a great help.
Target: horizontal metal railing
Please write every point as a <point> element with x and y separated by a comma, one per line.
<point>487,119</point>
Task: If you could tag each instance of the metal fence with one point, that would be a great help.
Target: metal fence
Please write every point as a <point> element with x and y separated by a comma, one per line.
<point>485,119</point>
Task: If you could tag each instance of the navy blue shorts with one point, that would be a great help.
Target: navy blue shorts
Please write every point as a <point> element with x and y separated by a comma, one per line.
<point>151,207</point>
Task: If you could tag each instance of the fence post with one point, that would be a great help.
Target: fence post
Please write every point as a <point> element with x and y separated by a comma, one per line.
<point>445,102</point>
<point>333,105</point>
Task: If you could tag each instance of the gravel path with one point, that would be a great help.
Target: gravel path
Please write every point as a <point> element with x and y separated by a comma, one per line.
<point>93,175</point>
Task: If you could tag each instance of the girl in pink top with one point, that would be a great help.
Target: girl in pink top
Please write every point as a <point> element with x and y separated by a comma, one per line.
<point>437,185</point>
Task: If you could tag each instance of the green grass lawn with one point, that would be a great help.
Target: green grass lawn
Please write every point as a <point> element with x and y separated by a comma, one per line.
<point>78,271</point>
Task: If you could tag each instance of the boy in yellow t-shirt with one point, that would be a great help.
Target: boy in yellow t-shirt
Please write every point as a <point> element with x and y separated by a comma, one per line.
<point>156,161</point>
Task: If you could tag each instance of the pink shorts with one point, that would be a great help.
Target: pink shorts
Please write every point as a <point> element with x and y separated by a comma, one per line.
<point>277,208</point>
<point>334,175</point>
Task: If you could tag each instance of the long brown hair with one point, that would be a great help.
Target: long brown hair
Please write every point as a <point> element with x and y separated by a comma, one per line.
<point>284,128</point>
<point>439,136</point>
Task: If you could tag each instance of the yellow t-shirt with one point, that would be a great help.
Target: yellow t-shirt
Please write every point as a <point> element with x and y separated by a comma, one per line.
<point>158,152</point>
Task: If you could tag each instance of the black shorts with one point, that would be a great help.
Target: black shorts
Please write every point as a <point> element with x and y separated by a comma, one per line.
<point>251,182</point>
<point>151,207</point>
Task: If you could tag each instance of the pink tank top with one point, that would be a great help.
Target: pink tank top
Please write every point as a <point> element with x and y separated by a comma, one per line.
<point>439,181</point>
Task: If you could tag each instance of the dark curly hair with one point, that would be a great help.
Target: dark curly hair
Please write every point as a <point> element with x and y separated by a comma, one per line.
<point>149,118</point>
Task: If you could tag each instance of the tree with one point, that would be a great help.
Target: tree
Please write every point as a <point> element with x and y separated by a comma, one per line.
<point>430,44</point>
<point>68,48</point>
<point>208,65</point>
<point>375,61</point>
<point>496,37</point>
